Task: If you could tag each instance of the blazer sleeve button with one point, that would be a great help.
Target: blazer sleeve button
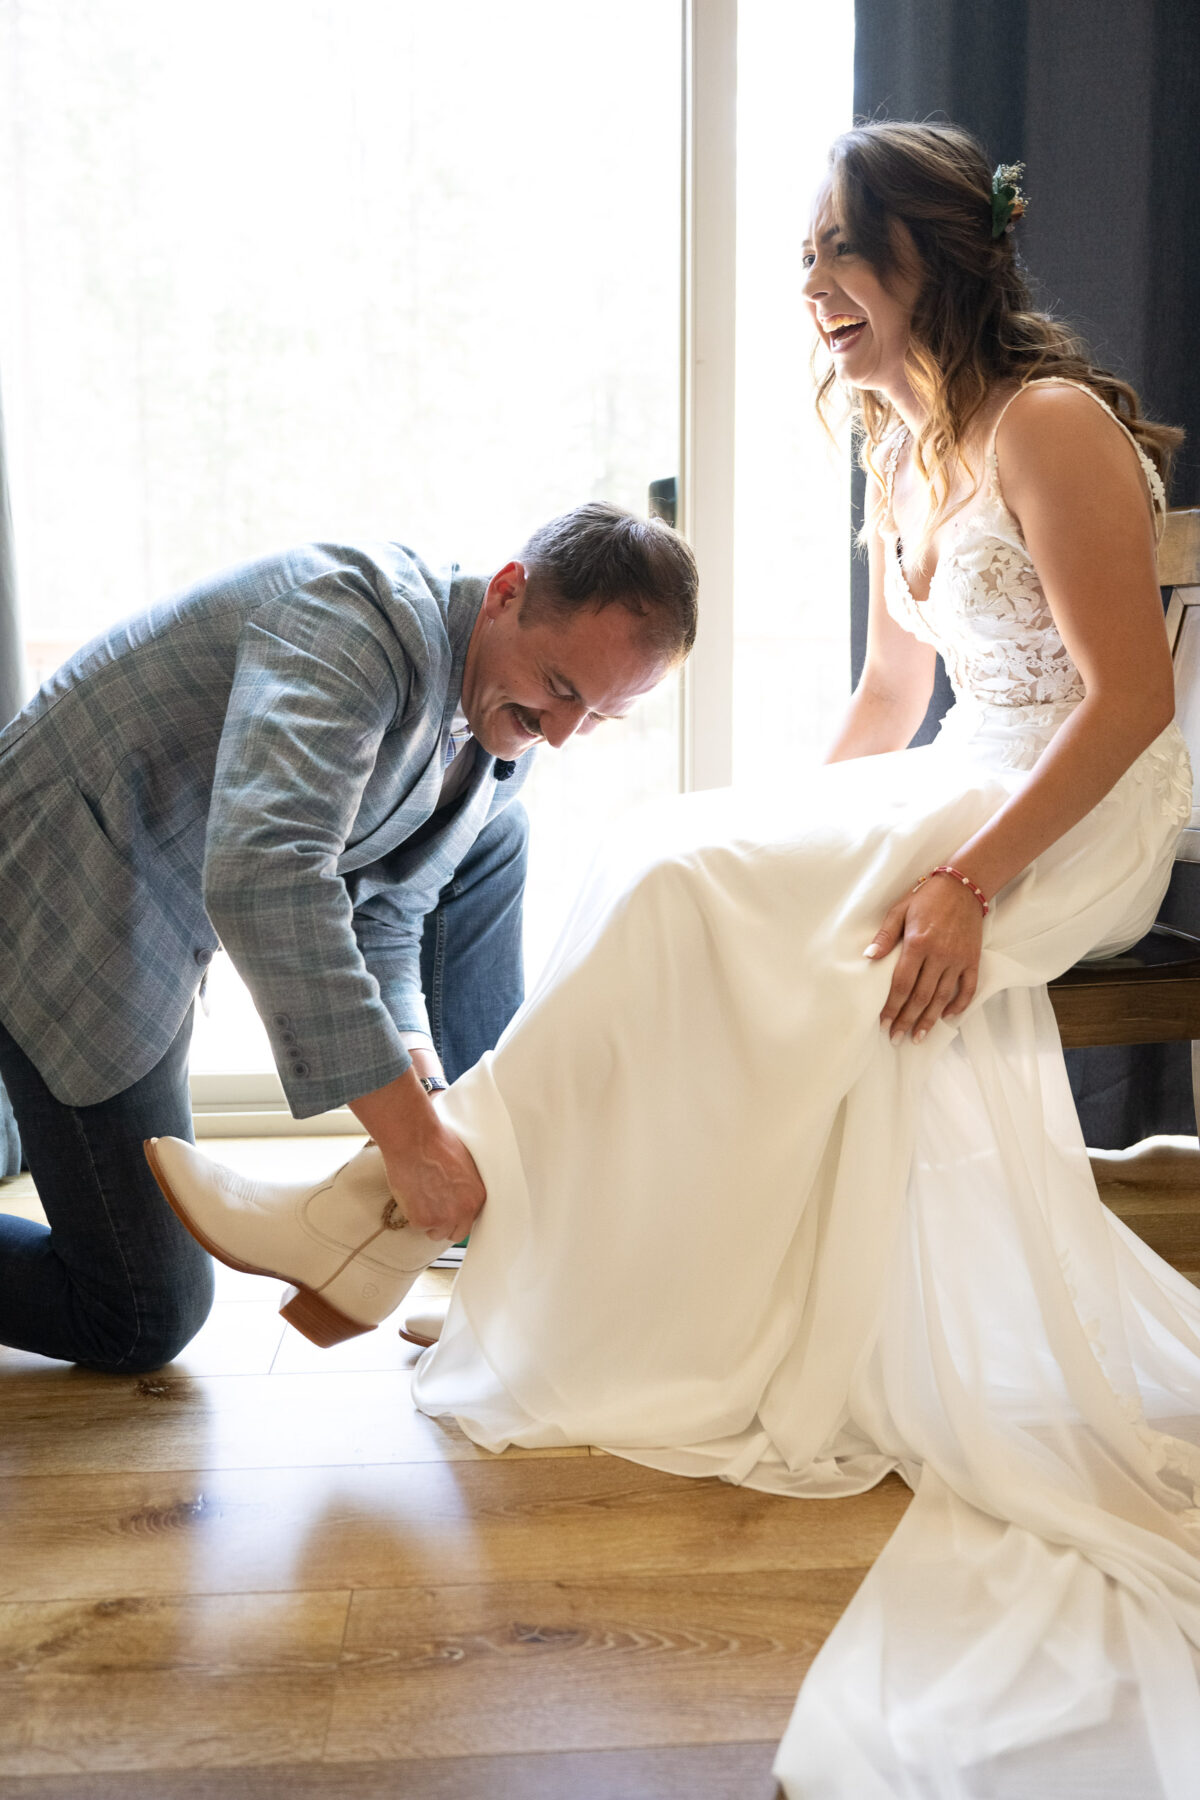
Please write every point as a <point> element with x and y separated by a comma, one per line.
<point>283,1020</point>
<point>204,957</point>
<point>300,1068</point>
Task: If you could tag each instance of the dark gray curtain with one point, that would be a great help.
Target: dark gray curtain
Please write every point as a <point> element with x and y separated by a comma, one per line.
<point>11,696</point>
<point>1100,99</point>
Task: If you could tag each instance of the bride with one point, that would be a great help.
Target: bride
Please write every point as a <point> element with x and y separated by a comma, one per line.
<point>802,1039</point>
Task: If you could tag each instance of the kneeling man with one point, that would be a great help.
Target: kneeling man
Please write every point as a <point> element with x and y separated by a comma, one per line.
<point>313,760</point>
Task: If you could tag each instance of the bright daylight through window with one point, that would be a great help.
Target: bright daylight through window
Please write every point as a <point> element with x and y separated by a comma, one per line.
<point>409,271</point>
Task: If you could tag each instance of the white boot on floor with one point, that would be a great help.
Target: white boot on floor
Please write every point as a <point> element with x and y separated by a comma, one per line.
<point>423,1324</point>
<point>343,1242</point>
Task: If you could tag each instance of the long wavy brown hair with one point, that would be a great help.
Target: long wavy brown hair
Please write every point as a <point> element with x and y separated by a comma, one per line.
<point>974,324</point>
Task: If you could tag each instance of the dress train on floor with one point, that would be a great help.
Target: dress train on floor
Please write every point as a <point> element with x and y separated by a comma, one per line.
<point>732,1230</point>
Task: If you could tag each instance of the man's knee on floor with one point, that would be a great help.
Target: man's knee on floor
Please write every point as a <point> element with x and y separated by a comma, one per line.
<point>139,1341</point>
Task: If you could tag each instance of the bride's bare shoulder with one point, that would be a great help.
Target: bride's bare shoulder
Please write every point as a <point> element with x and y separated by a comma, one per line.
<point>1050,419</point>
<point>1058,438</point>
<point>1061,453</point>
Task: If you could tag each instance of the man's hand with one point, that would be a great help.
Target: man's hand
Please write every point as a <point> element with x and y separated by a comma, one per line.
<point>436,1184</point>
<point>431,1172</point>
<point>939,928</point>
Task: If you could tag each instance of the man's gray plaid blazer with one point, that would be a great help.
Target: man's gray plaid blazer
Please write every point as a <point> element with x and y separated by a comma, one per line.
<point>247,763</point>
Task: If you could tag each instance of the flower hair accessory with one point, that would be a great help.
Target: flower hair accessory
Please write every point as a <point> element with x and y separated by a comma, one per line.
<point>1008,202</point>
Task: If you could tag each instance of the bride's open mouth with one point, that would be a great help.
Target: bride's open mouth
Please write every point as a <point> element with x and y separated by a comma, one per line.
<point>842,329</point>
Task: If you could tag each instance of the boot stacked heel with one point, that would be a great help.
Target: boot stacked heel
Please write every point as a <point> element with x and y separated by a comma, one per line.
<point>316,1319</point>
<point>331,1314</point>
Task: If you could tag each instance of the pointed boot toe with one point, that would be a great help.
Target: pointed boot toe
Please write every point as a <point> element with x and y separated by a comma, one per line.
<point>342,1242</point>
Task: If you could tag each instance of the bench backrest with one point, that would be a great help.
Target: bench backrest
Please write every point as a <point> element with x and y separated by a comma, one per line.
<point>1179,570</point>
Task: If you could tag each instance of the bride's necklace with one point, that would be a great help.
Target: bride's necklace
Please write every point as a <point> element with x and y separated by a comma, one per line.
<point>903,445</point>
<point>904,451</point>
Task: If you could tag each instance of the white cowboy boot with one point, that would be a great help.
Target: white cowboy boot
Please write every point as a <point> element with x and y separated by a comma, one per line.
<point>342,1242</point>
<point>423,1324</point>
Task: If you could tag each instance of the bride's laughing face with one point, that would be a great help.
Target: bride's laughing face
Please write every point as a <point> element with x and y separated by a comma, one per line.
<point>864,323</point>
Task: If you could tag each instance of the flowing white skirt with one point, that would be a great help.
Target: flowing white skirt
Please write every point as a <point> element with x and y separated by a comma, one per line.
<point>878,1257</point>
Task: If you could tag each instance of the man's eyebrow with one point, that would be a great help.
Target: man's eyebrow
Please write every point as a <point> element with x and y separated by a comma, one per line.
<point>562,681</point>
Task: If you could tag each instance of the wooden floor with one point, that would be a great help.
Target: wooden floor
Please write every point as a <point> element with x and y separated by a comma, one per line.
<point>262,1573</point>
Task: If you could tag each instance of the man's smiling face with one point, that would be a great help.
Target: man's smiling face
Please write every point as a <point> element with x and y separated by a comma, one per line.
<point>535,674</point>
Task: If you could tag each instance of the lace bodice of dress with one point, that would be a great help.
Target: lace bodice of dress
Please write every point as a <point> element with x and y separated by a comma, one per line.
<point>986,613</point>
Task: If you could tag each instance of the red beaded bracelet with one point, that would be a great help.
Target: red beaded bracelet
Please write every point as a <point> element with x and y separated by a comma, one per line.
<point>957,875</point>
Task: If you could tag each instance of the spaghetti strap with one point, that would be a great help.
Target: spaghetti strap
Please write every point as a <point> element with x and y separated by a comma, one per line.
<point>890,463</point>
<point>1158,494</point>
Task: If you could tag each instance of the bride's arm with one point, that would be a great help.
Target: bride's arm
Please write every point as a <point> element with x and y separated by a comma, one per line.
<point>893,690</point>
<point>1072,481</point>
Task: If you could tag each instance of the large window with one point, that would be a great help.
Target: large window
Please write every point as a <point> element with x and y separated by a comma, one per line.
<point>365,268</point>
<point>792,512</point>
<point>385,268</point>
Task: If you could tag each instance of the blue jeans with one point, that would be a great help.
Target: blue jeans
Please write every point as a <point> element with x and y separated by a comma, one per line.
<point>472,970</point>
<point>114,1281</point>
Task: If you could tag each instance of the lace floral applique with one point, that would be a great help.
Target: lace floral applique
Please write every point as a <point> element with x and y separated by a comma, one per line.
<point>986,613</point>
<point>1166,767</point>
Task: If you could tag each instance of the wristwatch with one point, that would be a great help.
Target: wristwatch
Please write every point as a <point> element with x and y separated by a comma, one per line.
<point>433,1084</point>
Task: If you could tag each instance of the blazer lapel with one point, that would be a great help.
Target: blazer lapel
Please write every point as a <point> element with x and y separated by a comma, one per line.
<point>418,775</point>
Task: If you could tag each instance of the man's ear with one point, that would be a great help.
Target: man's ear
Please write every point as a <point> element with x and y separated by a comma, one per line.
<point>505,589</point>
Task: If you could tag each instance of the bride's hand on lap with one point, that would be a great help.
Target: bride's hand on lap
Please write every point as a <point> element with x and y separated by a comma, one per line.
<point>939,929</point>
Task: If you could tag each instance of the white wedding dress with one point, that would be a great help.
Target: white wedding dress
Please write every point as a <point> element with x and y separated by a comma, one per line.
<point>732,1230</point>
